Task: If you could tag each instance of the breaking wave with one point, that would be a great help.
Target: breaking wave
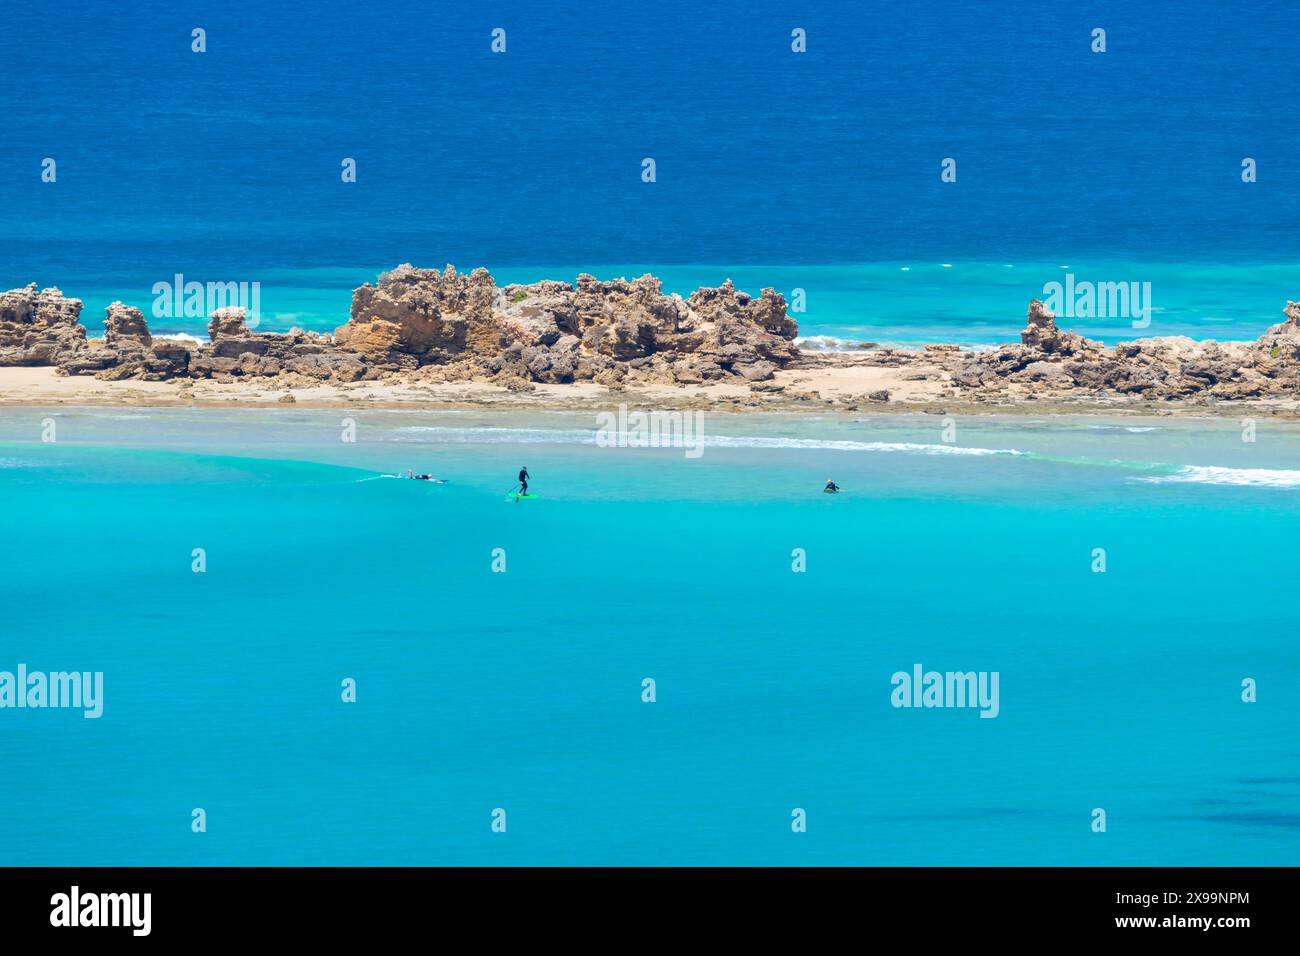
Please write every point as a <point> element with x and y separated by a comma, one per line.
<point>1216,475</point>
<point>1154,472</point>
<point>588,437</point>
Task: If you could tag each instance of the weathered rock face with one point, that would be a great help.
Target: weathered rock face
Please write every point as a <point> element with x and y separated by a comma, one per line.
<point>1042,333</point>
<point>464,325</point>
<point>125,328</point>
<point>446,327</point>
<point>39,328</point>
<point>1055,361</point>
<point>237,352</point>
<point>229,322</point>
<point>418,316</point>
<point>559,332</point>
<point>128,351</point>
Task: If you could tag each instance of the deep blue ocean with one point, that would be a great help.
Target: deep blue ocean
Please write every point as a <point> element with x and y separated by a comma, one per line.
<point>477,690</point>
<point>771,166</point>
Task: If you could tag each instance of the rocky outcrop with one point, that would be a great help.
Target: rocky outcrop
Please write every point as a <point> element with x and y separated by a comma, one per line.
<point>441,326</point>
<point>39,328</point>
<point>560,332</point>
<point>436,326</point>
<point>1041,333</point>
<point>125,328</point>
<point>128,350</point>
<point>1053,361</point>
<point>236,351</point>
<point>417,316</point>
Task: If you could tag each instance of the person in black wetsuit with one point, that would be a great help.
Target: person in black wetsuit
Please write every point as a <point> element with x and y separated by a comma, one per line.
<point>831,487</point>
<point>523,480</point>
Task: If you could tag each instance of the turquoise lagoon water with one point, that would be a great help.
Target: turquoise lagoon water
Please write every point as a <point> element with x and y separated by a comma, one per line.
<point>522,690</point>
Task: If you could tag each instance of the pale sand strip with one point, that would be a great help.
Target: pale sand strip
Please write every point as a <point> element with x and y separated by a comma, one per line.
<point>837,388</point>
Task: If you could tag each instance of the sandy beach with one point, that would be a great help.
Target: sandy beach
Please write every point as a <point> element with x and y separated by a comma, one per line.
<point>835,387</point>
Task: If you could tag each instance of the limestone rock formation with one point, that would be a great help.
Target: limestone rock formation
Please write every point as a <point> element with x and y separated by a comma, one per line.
<point>39,328</point>
<point>1041,332</point>
<point>237,352</point>
<point>439,327</point>
<point>560,332</point>
<point>128,350</point>
<point>125,328</point>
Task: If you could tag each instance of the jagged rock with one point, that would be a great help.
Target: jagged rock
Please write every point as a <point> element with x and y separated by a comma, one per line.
<point>228,322</point>
<point>1042,333</point>
<point>207,365</point>
<point>126,351</point>
<point>168,359</point>
<point>1048,371</point>
<point>436,317</point>
<point>39,328</point>
<point>338,367</point>
<point>125,328</point>
<point>445,327</point>
<point>757,372</point>
<point>88,361</point>
<point>411,311</point>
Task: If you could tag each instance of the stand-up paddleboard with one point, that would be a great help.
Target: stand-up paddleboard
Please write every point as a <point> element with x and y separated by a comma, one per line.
<point>516,495</point>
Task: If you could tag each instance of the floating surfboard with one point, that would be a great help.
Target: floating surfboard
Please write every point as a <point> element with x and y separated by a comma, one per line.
<point>518,495</point>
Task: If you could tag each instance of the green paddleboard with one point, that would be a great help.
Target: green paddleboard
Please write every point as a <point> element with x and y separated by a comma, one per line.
<point>518,495</point>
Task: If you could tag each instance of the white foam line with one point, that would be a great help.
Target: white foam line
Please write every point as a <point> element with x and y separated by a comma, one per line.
<point>557,436</point>
<point>1218,475</point>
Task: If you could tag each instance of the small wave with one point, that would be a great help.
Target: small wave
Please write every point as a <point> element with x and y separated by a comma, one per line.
<point>832,343</point>
<point>183,337</point>
<point>1218,475</point>
<point>727,441</point>
<point>1134,429</point>
<point>828,343</point>
<point>558,436</point>
<point>512,436</point>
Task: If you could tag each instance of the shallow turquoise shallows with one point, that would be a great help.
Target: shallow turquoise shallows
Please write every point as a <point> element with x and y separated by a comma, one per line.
<point>522,690</point>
